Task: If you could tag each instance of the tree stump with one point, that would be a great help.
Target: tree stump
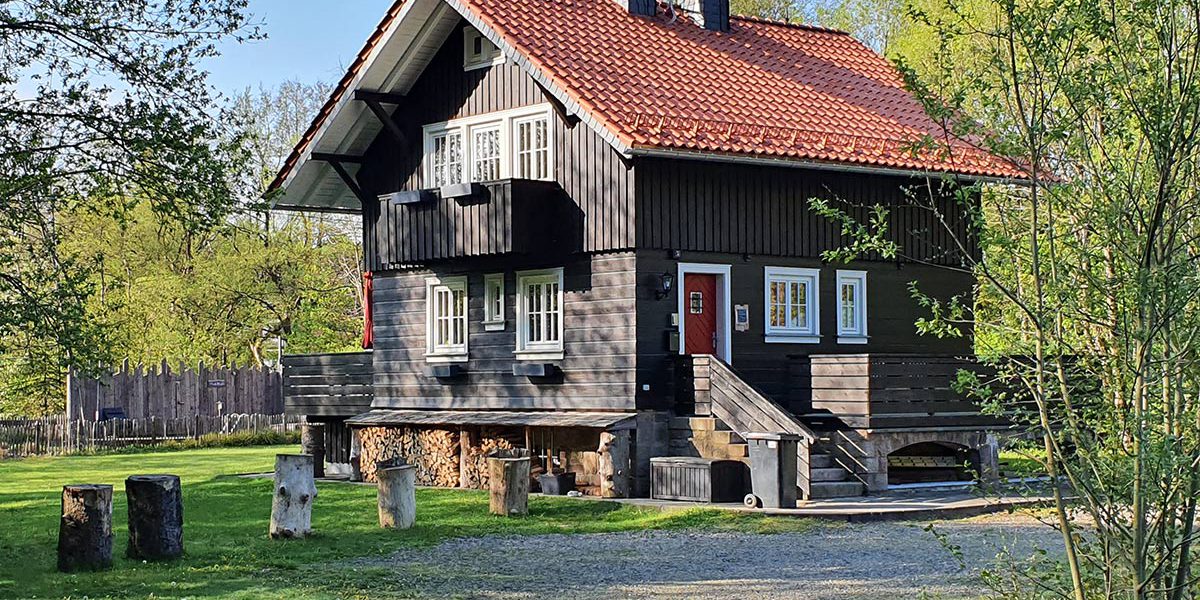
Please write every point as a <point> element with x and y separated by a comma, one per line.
<point>85,537</point>
<point>616,464</point>
<point>355,455</point>
<point>295,490</point>
<point>312,443</point>
<point>155,517</point>
<point>397,496</point>
<point>509,483</point>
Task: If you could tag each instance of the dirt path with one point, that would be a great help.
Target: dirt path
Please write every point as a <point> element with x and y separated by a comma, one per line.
<point>878,560</point>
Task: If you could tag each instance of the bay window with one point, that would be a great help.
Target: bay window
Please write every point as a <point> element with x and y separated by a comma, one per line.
<point>488,147</point>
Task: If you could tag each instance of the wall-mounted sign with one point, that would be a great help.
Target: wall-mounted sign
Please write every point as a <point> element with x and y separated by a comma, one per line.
<point>696,303</point>
<point>741,317</point>
<point>216,383</point>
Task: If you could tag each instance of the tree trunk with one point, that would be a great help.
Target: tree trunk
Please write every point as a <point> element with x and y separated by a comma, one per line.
<point>312,443</point>
<point>397,496</point>
<point>155,517</point>
<point>356,454</point>
<point>85,537</point>
<point>295,490</point>
<point>509,483</point>
<point>615,464</point>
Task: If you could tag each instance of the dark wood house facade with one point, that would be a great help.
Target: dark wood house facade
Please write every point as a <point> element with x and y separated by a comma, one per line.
<point>551,271</point>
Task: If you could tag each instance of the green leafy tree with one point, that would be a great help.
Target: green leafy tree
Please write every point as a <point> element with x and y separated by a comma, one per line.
<point>102,106</point>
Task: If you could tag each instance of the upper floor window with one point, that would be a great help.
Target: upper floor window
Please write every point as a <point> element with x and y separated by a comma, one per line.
<point>791,305</point>
<point>446,318</point>
<point>493,302</point>
<point>478,51</point>
<point>540,314</point>
<point>852,307</point>
<point>532,142</point>
<point>445,157</point>
<point>514,143</point>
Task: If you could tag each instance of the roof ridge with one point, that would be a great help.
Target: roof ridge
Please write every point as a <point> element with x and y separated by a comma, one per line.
<point>789,24</point>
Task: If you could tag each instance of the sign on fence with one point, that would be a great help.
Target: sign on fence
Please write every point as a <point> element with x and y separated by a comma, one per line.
<point>59,435</point>
<point>166,393</point>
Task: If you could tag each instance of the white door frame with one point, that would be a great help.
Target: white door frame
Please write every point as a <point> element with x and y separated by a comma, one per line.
<point>724,294</point>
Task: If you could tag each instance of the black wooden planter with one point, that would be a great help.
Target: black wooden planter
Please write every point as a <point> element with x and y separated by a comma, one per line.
<point>557,485</point>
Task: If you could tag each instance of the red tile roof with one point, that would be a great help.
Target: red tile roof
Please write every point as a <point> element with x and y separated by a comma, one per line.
<point>763,88</point>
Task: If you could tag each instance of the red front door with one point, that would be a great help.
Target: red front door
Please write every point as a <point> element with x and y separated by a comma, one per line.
<point>700,313</point>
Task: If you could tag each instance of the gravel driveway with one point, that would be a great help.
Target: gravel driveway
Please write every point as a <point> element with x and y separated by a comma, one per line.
<point>875,560</point>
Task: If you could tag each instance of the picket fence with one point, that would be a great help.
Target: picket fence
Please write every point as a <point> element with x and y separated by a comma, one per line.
<point>59,435</point>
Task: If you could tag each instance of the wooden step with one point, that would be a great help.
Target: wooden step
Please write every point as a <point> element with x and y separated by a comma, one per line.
<point>835,489</point>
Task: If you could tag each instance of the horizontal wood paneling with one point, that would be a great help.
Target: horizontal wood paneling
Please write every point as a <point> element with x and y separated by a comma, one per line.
<point>598,368</point>
<point>332,385</point>
<point>764,210</point>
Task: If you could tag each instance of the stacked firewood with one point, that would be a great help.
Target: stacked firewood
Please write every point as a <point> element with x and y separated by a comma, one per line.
<point>434,452</point>
<point>475,451</point>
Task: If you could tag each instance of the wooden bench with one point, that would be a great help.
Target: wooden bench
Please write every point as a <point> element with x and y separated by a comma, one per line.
<point>924,462</point>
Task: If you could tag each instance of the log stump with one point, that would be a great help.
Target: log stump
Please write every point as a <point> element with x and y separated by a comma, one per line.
<point>295,491</point>
<point>155,517</point>
<point>85,537</point>
<point>397,496</point>
<point>508,473</point>
<point>312,443</point>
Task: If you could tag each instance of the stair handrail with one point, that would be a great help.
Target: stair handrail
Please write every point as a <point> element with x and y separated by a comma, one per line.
<point>786,422</point>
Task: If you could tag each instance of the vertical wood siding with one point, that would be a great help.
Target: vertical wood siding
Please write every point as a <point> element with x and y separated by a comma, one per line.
<point>891,317</point>
<point>599,363</point>
<point>586,167</point>
<point>715,207</point>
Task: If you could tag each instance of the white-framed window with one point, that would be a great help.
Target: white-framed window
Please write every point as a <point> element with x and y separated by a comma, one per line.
<point>499,145</point>
<point>531,145</point>
<point>445,157</point>
<point>540,314</point>
<point>485,152</point>
<point>493,302</point>
<point>852,307</point>
<point>478,51</point>
<point>792,307</point>
<point>446,319</point>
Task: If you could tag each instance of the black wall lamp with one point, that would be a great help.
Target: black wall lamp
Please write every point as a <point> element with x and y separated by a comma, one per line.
<point>665,282</point>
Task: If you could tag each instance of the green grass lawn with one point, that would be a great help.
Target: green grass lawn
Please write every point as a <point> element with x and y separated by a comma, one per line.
<point>228,552</point>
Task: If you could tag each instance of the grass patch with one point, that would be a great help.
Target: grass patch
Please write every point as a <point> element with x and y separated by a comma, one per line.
<point>229,554</point>
<point>1022,463</point>
<point>237,439</point>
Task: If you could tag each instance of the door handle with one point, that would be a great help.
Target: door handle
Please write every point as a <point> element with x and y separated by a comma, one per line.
<point>714,342</point>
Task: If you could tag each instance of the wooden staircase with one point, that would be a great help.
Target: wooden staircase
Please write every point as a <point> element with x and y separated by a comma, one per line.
<point>727,408</point>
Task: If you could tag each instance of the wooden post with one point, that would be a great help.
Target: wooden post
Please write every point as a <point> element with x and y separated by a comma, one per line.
<point>85,537</point>
<point>397,496</point>
<point>615,464</point>
<point>509,483</point>
<point>295,490</point>
<point>355,454</point>
<point>312,443</point>
<point>155,517</point>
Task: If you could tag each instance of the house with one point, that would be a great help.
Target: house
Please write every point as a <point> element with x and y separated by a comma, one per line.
<point>587,233</point>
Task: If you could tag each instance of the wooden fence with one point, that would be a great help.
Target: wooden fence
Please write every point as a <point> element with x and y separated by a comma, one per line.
<point>60,435</point>
<point>165,393</point>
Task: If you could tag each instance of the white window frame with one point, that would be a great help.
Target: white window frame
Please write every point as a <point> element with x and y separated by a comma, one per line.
<point>493,302</point>
<point>853,335</point>
<point>793,335</point>
<point>527,350</point>
<point>490,56</point>
<point>724,275</point>
<point>450,352</point>
<point>517,151</point>
<point>505,120</point>
<point>498,128</point>
<point>431,137</point>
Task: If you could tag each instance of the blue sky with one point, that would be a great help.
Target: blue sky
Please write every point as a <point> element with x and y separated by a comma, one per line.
<point>307,40</point>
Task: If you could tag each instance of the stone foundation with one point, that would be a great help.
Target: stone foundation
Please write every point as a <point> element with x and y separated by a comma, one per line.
<point>865,453</point>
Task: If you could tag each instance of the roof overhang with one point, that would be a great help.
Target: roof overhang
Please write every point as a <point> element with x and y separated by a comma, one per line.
<point>595,420</point>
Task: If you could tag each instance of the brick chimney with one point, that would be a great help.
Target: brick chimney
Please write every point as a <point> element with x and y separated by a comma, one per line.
<point>709,14</point>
